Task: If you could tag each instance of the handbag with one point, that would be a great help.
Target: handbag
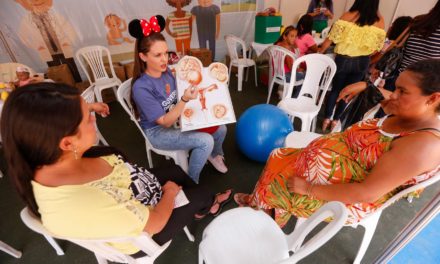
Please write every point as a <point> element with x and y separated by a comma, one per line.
<point>390,61</point>
<point>356,109</point>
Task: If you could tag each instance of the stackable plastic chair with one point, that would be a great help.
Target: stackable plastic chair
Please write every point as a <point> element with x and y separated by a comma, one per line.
<point>319,74</point>
<point>180,157</point>
<point>277,72</point>
<point>233,43</point>
<point>324,32</point>
<point>89,97</point>
<point>10,250</point>
<point>93,57</point>
<point>245,235</point>
<point>100,247</point>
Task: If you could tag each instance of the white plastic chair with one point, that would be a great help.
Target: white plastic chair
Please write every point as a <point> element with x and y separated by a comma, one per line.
<point>245,235</point>
<point>93,57</point>
<point>10,250</point>
<point>319,74</point>
<point>180,157</point>
<point>298,140</point>
<point>277,74</point>
<point>103,251</point>
<point>89,97</point>
<point>242,62</point>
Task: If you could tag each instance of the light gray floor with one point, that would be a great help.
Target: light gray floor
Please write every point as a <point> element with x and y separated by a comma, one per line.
<point>242,175</point>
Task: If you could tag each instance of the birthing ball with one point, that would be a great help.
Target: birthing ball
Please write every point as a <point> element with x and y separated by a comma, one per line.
<point>260,129</point>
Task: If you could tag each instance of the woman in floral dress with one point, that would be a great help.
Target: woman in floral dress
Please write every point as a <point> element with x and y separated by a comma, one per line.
<point>364,165</point>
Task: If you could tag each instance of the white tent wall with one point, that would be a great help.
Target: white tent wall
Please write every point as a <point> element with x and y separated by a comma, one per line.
<point>85,23</point>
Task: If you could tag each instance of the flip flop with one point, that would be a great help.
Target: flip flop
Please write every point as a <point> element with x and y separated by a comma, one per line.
<point>239,199</point>
<point>222,203</point>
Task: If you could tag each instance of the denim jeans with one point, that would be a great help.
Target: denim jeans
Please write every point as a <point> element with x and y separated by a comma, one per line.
<point>201,145</point>
<point>349,70</point>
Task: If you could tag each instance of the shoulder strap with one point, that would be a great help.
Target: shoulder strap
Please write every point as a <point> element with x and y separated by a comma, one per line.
<point>401,39</point>
<point>432,130</point>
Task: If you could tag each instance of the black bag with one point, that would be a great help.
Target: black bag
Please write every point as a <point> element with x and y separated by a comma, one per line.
<point>390,61</point>
<point>355,111</point>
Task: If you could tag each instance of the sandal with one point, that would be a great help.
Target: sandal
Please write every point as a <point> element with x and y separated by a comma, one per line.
<point>241,199</point>
<point>221,203</point>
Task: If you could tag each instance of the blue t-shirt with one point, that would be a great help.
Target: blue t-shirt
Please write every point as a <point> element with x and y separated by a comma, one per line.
<point>152,98</point>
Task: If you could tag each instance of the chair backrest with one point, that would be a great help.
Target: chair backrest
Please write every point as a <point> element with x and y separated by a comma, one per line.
<point>336,210</point>
<point>319,74</point>
<point>124,98</point>
<point>278,56</point>
<point>234,44</point>
<point>324,32</point>
<point>93,56</point>
<point>243,235</point>
<point>100,247</point>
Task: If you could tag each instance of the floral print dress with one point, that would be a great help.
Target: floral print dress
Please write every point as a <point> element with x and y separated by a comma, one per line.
<point>335,158</point>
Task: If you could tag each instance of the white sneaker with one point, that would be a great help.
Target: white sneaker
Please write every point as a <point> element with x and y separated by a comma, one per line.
<point>218,163</point>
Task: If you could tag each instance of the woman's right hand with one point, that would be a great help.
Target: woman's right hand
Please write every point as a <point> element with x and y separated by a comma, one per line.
<point>351,91</point>
<point>190,93</point>
<point>171,188</point>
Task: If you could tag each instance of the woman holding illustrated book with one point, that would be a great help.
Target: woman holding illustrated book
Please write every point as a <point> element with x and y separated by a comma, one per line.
<point>86,192</point>
<point>155,96</point>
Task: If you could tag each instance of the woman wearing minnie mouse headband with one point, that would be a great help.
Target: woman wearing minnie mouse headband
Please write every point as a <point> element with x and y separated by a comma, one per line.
<point>154,93</point>
<point>155,96</point>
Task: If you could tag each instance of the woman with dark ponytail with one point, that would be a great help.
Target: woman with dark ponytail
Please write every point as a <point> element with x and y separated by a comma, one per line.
<point>81,191</point>
<point>155,96</point>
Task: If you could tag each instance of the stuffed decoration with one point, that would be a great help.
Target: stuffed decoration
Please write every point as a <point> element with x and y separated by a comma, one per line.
<point>139,28</point>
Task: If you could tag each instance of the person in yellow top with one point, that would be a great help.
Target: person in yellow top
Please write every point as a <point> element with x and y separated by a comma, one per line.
<point>357,34</point>
<point>87,192</point>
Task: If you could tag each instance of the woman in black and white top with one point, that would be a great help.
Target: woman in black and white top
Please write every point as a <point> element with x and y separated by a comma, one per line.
<point>424,39</point>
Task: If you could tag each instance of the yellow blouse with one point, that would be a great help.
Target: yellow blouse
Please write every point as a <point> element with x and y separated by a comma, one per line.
<point>98,209</point>
<point>353,40</point>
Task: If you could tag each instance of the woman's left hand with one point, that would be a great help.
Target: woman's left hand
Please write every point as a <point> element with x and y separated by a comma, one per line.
<point>297,185</point>
<point>101,108</point>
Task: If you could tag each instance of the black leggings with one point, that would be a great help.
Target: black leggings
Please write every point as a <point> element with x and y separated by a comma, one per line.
<point>200,201</point>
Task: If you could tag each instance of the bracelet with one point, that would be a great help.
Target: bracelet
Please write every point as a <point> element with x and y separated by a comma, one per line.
<point>185,101</point>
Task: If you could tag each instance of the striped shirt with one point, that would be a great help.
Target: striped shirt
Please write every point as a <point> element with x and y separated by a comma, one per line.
<point>418,48</point>
<point>180,25</point>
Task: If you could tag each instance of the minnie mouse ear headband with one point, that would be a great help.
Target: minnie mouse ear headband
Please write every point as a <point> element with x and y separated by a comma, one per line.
<point>143,28</point>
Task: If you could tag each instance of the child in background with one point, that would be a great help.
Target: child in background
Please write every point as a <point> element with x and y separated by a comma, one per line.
<point>304,41</point>
<point>23,77</point>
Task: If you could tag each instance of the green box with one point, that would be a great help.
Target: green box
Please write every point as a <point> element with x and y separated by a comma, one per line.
<point>267,29</point>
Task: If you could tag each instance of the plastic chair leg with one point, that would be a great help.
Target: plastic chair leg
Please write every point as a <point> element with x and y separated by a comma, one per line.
<point>182,161</point>
<point>100,259</point>
<point>10,250</point>
<point>272,82</point>
<point>55,245</point>
<point>370,227</point>
<point>149,158</point>
<point>247,73</point>
<point>98,95</point>
<point>306,124</point>
<point>299,222</point>
<point>188,234</point>
<point>255,71</point>
<point>240,78</point>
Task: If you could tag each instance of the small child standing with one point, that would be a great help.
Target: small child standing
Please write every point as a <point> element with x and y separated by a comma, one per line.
<point>23,77</point>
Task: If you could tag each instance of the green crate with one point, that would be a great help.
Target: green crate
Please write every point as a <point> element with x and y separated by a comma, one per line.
<point>267,29</point>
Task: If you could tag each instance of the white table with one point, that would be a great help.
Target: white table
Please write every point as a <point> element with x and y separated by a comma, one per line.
<point>259,48</point>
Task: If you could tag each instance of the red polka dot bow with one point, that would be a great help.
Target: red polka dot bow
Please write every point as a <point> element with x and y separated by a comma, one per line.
<point>148,27</point>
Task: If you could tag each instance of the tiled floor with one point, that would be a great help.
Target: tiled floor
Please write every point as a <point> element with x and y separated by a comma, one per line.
<point>242,175</point>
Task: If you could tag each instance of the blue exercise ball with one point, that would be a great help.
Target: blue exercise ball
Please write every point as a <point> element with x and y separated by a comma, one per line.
<point>260,129</point>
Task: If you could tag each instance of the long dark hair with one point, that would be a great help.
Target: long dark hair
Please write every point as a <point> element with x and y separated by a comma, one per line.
<point>285,33</point>
<point>426,24</point>
<point>427,76</point>
<point>34,120</point>
<point>305,25</point>
<point>398,26</point>
<point>328,3</point>
<point>367,10</point>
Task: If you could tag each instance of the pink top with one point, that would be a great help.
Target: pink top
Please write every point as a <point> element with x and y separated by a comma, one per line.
<point>304,43</point>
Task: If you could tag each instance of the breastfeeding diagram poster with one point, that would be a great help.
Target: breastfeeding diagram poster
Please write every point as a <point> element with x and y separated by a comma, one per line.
<point>213,105</point>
